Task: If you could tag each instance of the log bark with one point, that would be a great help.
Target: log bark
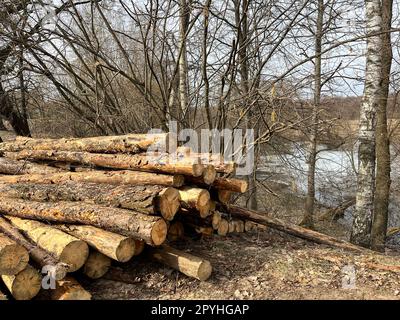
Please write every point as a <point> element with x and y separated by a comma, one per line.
<point>216,220</point>
<point>69,289</point>
<point>114,246</point>
<point>25,285</point>
<point>63,246</point>
<point>14,167</point>
<point>40,256</point>
<point>13,257</point>
<point>139,162</point>
<point>106,177</point>
<point>209,174</point>
<point>234,185</point>
<point>196,198</point>
<point>292,229</point>
<point>96,265</point>
<point>150,200</point>
<point>217,161</point>
<point>131,143</point>
<point>139,247</point>
<point>151,229</point>
<point>185,263</point>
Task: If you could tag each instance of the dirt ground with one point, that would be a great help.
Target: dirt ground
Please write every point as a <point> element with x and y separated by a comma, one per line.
<point>260,265</point>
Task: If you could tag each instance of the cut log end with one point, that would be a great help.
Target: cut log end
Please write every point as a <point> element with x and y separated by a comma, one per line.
<point>96,265</point>
<point>159,232</point>
<point>75,254</point>
<point>204,271</point>
<point>25,285</point>
<point>223,227</point>
<point>125,250</point>
<point>13,257</point>
<point>198,170</point>
<point>209,174</point>
<point>178,181</point>
<point>169,203</point>
<point>69,289</point>
<point>176,231</point>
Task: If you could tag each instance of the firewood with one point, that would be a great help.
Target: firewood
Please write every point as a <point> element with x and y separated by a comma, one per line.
<point>8,166</point>
<point>186,263</point>
<point>239,226</point>
<point>40,256</point>
<point>13,257</point>
<point>151,229</point>
<point>114,246</point>
<point>176,231</point>
<point>108,177</point>
<point>69,289</point>
<point>131,143</point>
<point>140,162</point>
<point>24,285</point>
<point>231,226</point>
<point>196,198</point>
<point>96,265</point>
<point>150,200</point>
<point>217,161</point>
<point>63,246</point>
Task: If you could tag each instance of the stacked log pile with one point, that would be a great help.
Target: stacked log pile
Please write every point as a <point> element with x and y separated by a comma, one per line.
<point>79,204</point>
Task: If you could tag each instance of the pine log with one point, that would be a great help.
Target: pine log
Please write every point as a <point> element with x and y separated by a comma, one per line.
<point>14,167</point>
<point>114,246</point>
<point>223,227</point>
<point>131,143</point>
<point>234,185</point>
<point>107,177</point>
<point>217,161</point>
<point>176,231</point>
<point>216,220</point>
<point>69,289</point>
<point>25,285</point>
<point>139,162</point>
<point>196,198</point>
<point>150,200</point>
<point>209,174</point>
<point>239,226</point>
<point>96,265</point>
<point>224,196</point>
<point>40,256</point>
<point>13,257</point>
<point>292,229</point>
<point>151,229</point>
<point>231,226</point>
<point>186,263</point>
<point>63,246</point>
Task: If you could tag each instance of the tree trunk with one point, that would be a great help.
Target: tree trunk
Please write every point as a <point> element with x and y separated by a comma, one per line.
<point>186,263</point>
<point>139,162</point>
<point>25,285</point>
<point>13,257</point>
<point>132,143</point>
<point>14,167</point>
<point>40,256</point>
<point>151,200</point>
<point>292,229</point>
<point>312,155</point>
<point>361,230</point>
<point>64,247</point>
<point>382,192</point>
<point>97,265</point>
<point>103,177</point>
<point>114,246</point>
<point>151,229</point>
